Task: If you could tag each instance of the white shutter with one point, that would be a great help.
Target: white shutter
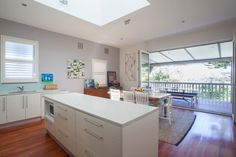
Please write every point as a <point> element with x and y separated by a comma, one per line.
<point>19,60</point>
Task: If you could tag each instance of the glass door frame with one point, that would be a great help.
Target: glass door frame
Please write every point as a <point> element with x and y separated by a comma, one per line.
<point>140,53</point>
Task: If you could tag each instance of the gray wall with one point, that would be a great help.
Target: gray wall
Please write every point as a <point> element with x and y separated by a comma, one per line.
<point>55,49</point>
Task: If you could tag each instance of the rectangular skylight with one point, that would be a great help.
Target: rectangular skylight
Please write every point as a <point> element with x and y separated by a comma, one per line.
<point>158,58</point>
<point>178,55</point>
<point>204,52</point>
<point>99,12</point>
<point>226,49</point>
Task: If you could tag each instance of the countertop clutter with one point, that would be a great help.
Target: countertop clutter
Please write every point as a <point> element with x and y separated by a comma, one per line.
<point>117,112</point>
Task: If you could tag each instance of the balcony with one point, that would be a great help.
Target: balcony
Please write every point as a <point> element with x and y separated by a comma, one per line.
<point>211,97</point>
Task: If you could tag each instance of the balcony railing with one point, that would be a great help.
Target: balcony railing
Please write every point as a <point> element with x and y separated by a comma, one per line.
<point>212,91</point>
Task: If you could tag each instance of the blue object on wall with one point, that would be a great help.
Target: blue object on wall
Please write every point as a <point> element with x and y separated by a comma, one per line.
<point>47,77</point>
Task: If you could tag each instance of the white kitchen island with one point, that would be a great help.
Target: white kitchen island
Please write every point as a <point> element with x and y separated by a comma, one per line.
<point>89,126</point>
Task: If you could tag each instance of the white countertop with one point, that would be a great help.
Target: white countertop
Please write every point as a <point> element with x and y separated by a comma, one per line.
<point>117,112</point>
<point>33,91</point>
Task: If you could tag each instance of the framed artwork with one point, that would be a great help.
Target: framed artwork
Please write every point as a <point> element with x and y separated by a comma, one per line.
<point>89,83</point>
<point>111,77</point>
<point>130,67</point>
<point>47,77</point>
<point>75,69</point>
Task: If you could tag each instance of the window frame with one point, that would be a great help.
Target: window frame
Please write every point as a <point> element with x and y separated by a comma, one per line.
<point>35,62</point>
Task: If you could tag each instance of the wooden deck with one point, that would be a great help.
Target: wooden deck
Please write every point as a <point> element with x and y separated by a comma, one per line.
<point>207,105</point>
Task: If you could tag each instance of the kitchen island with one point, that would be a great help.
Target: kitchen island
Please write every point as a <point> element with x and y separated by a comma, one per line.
<point>89,126</point>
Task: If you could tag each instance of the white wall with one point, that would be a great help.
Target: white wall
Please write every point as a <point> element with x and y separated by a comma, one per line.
<point>132,49</point>
<point>55,49</point>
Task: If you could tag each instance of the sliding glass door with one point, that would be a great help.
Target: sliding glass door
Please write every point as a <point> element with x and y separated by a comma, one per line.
<point>144,69</point>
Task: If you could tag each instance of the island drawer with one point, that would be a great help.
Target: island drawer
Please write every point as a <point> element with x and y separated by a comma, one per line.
<point>50,126</point>
<point>100,137</point>
<point>91,123</point>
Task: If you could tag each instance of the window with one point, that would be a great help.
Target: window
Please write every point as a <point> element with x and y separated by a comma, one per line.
<point>19,60</point>
<point>100,71</point>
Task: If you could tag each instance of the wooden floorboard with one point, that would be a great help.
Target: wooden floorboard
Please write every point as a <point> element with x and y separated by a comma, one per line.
<point>210,136</point>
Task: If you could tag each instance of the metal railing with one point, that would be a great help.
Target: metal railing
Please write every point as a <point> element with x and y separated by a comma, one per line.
<point>213,91</point>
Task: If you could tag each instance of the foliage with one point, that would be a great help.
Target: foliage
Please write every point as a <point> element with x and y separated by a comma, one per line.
<point>218,64</point>
<point>161,77</point>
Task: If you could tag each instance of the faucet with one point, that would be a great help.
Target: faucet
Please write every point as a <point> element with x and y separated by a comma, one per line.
<point>21,88</point>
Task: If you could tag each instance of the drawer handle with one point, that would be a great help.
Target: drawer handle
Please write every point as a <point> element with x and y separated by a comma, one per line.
<point>62,108</point>
<point>92,122</point>
<point>62,133</point>
<point>94,135</point>
<point>62,117</point>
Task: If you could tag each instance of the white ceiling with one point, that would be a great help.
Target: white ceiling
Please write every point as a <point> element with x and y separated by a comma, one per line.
<point>161,18</point>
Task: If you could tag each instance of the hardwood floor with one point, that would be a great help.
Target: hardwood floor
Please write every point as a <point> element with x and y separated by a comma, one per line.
<point>210,136</point>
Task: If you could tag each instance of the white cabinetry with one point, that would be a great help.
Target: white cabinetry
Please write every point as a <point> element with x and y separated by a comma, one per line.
<point>32,105</point>
<point>23,106</point>
<point>86,135</point>
<point>3,110</point>
<point>98,138</point>
<point>15,108</point>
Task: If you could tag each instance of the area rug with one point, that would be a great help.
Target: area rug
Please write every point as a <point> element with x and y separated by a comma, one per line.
<point>175,133</point>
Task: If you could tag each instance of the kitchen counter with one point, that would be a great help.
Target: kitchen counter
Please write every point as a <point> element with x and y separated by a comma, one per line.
<point>118,112</point>
<point>31,91</point>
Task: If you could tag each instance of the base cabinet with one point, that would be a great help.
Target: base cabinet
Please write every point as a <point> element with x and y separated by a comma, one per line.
<point>19,107</point>
<point>3,110</point>
<point>15,108</point>
<point>88,136</point>
<point>32,105</point>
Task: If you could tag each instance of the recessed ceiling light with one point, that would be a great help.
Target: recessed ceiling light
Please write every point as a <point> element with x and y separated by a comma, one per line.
<point>183,21</point>
<point>24,4</point>
<point>99,12</point>
<point>126,22</point>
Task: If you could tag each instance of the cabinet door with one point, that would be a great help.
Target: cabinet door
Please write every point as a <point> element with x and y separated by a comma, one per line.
<point>15,108</point>
<point>3,109</point>
<point>33,105</point>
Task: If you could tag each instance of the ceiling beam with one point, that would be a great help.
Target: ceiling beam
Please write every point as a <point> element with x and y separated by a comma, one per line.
<point>219,50</point>
<point>189,54</point>
<point>167,56</point>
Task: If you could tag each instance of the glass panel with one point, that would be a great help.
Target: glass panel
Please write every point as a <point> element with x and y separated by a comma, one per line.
<point>144,69</point>
<point>226,49</point>
<point>18,51</point>
<point>178,55</point>
<point>156,57</point>
<point>204,52</point>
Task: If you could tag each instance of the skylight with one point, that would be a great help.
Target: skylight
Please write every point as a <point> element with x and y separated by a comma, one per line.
<point>99,12</point>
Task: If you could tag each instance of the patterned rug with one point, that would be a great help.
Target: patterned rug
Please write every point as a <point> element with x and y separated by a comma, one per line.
<point>175,133</point>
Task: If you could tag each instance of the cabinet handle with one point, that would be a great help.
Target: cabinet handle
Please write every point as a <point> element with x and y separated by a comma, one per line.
<point>26,101</point>
<point>62,117</point>
<point>23,105</point>
<point>93,134</point>
<point>62,133</point>
<point>62,108</point>
<point>4,104</point>
<point>92,122</point>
